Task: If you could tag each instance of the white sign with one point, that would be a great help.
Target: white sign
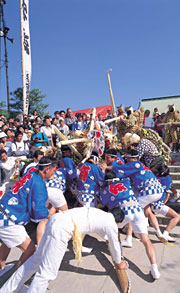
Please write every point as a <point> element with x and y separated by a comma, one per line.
<point>26,53</point>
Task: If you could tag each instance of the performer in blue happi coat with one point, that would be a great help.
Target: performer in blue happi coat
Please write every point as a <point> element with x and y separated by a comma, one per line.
<point>71,184</point>
<point>60,177</point>
<point>25,202</point>
<point>118,194</point>
<point>159,207</point>
<point>148,188</point>
<point>113,159</point>
<point>66,160</point>
<point>90,180</point>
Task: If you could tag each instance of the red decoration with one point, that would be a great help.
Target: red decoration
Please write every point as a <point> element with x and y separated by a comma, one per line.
<point>21,183</point>
<point>84,171</point>
<point>115,189</point>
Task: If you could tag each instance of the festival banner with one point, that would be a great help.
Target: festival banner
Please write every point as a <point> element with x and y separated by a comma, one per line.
<point>25,52</point>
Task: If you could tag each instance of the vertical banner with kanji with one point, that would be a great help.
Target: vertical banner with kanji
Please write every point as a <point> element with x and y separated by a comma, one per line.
<point>26,53</point>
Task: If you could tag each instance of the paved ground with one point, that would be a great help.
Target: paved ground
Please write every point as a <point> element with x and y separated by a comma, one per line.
<point>96,273</point>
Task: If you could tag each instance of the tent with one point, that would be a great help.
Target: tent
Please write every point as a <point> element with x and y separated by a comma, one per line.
<point>99,110</point>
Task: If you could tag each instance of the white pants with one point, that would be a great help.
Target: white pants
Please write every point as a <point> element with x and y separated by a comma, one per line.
<point>145,200</point>
<point>137,220</point>
<point>47,259</point>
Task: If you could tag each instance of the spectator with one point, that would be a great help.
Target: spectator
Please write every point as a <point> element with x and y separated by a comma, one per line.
<point>79,124</point>
<point>46,129</point>
<point>37,156</point>
<point>62,114</point>
<point>148,121</point>
<point>29,134</point>
<point>4,144</point>
<point>38,120</point>
<point>109,115</point>
<point>8,132</point>
<point>157,127</point>
<point>57,116</point>
<point>88,119</point>
<point>16,122</point>
<point>69,120</point>
<point>21,129</point>
<point>156,114</point>
<point>63,127</point>
<point>34,115</point>
<point>20,148</point>
<point>84,117</point>
<point>10,170</point>
<point>11,123</point>
<point>38,138</point>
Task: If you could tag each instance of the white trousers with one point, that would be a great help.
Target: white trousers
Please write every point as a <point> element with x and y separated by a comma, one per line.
<point>48,257</point>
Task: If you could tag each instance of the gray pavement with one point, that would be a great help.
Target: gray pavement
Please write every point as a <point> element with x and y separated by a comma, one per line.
<point>96,273</point>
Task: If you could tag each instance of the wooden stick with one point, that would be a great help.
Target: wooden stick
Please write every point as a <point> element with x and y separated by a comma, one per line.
<point>64,138</point>
<point>112,120</point>
<point>177,124</point>
<point>89,145</point>
<point>75,140</point>
<point>124,281</point>
<point>111,94</point>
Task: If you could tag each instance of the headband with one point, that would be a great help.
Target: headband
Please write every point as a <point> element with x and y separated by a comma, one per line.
<point>46,164</point>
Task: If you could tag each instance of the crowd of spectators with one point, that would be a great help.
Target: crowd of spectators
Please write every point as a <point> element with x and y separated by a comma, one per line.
<point>20,138</point>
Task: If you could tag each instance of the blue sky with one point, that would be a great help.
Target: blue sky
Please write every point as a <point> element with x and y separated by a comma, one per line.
<point>74,42</point>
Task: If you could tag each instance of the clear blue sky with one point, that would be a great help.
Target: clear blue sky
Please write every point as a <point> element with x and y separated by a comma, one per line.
<point>74,42</point>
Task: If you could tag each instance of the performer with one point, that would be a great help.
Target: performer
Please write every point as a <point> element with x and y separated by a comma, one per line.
<point>159,207</point>
<point>147,187</point>
<point>112,159</point>
<point>66,160</point>
<point>71,184</point>
<point>60,228</point>
<point>90,180</point>
<point>119,194</point>
<point>171,137</point>
<point>24,202</point>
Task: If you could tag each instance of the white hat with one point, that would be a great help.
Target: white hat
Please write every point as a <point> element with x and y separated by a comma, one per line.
<point>127,137</point>
<point>135,138</point>
<point>2,134</point>
<point>61,118</point>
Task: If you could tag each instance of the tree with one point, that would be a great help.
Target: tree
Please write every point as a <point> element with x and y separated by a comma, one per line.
<point>35,101</point>
<point>3,112</point>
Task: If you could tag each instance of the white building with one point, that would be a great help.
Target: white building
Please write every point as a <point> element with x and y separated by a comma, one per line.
<point>161,103</point>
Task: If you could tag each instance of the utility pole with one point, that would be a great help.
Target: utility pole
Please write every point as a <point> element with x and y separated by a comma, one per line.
<point>3,33</point>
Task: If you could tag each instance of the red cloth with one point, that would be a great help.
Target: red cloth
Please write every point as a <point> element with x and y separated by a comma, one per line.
<point>99,110</point>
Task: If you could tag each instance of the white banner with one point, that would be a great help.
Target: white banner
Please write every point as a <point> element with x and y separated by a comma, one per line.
<point>26,53</point>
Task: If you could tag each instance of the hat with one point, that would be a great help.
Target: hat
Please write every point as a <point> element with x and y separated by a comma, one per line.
<point>61,118</point>
<point>121,107</point>
<point>2,134</point>
<point>129,109</point>
<point>135,138</point>
<point>127,137</point>
<point>132,153</point>
<point>171,106</point>
<point>111,152</point>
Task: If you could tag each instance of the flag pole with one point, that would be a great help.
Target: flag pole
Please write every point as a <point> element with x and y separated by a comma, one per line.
<point>22,58</point>
<point>111,94</point>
